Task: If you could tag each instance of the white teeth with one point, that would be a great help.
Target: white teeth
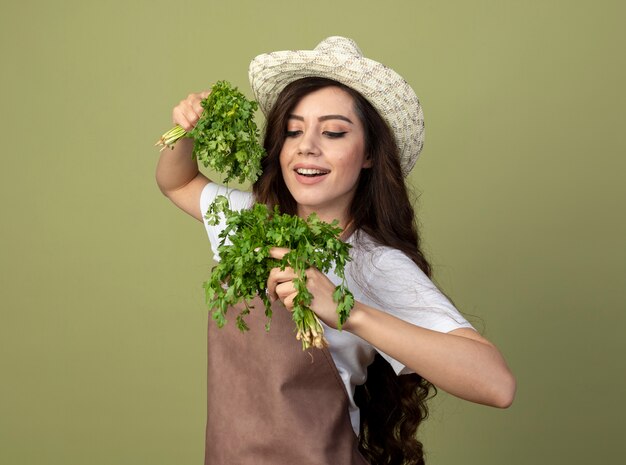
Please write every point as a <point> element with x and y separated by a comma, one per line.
<point>310,171</point>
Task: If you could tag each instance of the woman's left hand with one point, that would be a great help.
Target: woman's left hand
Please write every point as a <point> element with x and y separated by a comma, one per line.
<point>280,287</point>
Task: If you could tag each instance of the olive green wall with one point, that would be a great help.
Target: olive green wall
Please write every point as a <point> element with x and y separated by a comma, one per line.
<point>102,330</point>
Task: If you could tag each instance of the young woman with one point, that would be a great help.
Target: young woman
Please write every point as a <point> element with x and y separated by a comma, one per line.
<point>342,132</point>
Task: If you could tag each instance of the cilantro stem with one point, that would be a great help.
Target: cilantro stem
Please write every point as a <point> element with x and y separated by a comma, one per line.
<point>171,137</point>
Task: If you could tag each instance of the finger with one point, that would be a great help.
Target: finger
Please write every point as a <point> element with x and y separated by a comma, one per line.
<point>281,276</point>
<point>197,108</point>
<point>187,108</point>
<point>179,117</point>
<point>197,105</point>
<point>288,301</point>
<point>286,292</point>
<point>277,277</point>
<point>195,101</point>
<point>278,252</point>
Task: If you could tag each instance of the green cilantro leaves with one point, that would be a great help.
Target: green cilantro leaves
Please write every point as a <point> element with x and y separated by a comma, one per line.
<point>226,137</point>
<point>245,264</point>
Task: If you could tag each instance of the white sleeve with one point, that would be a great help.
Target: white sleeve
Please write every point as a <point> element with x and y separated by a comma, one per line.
<point>238,200</point>
<point>402,289</point>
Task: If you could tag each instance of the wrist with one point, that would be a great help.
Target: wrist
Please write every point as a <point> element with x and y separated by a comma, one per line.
<point>357,316</point>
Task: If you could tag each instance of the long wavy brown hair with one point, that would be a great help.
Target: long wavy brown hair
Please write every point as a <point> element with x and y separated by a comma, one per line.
<point>391,407</point>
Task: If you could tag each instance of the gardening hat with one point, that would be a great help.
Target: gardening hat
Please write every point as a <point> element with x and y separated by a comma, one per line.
<point>340,59</point>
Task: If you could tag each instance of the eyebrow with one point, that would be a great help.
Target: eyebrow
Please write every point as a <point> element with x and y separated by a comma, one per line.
<point>324,118</point>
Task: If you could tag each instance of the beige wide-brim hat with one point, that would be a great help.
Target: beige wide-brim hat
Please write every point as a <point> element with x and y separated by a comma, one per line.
<point>340,59</point>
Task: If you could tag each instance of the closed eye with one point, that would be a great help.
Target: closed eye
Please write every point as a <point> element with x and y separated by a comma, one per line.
<point>334,135</point>
<point>292,133</point>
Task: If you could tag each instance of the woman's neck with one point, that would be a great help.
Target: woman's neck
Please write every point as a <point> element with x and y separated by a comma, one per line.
<point>326,215</point>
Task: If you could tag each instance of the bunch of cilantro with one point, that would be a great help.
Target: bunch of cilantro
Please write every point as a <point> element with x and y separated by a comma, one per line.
<point>226,139</point>
<point>226,135</point>
<point>245,264</point>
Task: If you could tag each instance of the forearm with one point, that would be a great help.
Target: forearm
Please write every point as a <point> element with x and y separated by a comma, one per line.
<point>176,168</point>
<point>179,179</point>
<point>467,366</point>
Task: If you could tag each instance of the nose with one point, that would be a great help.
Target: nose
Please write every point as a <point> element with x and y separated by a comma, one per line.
<point>308,144</point>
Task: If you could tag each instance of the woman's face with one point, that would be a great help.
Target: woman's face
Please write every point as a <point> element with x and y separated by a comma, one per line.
<point>323,154</point>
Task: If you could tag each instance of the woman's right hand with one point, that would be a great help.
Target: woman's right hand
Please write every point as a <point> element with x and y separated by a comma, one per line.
<point>187,113</point>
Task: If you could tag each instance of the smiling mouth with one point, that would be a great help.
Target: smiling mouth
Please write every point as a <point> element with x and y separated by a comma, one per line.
<point>311,173</point>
